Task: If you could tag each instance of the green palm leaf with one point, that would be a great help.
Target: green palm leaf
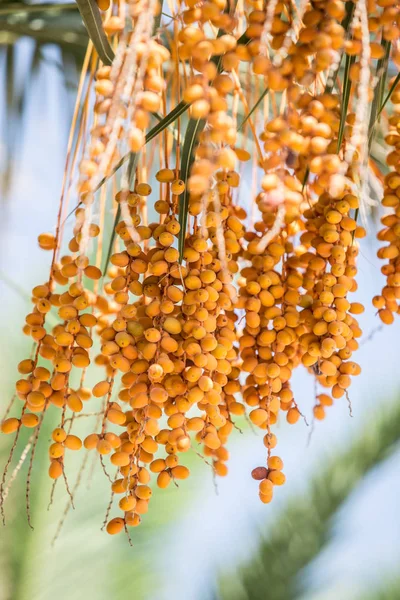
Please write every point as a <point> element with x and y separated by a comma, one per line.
<point>193,130</point>
<point>91,17</point>
<point>272,572</point>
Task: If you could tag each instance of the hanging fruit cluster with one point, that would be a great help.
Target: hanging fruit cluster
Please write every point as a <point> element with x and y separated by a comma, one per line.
<point>232,144</point>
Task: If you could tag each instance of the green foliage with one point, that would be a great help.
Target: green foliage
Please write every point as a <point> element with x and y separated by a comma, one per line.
<point>388,591</point>
<point>303,529</point>
<point>91,17</point>
<point>193,130</point>
<point>58,24</point>
<point>381,74</point>
<point>390,92</point>
<point>103,567</point>
<point>55,23</point>
<point>254,107</point>
<point>349,61</point>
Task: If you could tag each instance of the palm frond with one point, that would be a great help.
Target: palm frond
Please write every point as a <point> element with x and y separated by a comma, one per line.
<point>91,17</point>
<point>388,591</point>
<point>253,108</point>
<point>304,526</point>
<point>193,130</point>
<point>52,23</point>
<point>32,567</point>
<point>48,23</point>
<point>381,74</point>
<point>390,92</point>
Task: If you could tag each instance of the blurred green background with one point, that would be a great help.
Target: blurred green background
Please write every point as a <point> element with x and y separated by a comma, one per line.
<point>332,531</point>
